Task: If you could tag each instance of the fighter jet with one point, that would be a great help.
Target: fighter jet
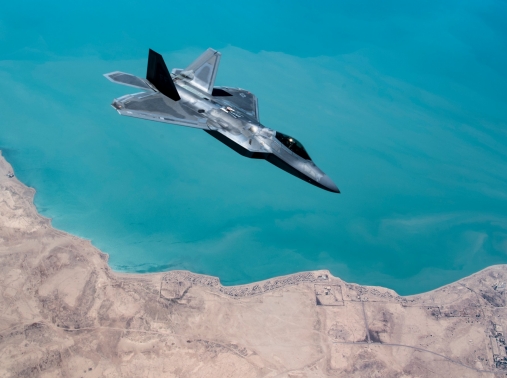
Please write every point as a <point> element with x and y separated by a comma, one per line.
<point>188,97</point>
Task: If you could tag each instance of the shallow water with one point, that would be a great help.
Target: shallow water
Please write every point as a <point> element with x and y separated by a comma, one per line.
<point>403,107</point>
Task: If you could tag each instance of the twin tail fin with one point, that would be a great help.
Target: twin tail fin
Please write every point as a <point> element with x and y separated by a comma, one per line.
<point>200,74</point>
<point>158,75</point>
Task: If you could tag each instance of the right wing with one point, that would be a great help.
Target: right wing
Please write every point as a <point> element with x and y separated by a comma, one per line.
<point>157,107</point>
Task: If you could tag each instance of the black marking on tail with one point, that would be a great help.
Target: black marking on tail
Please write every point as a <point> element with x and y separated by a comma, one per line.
<point>158,75</point>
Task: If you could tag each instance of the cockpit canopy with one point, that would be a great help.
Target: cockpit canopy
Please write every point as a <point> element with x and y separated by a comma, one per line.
<point>293,145</point>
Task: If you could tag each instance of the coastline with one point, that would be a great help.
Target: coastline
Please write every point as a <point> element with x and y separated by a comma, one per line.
<point>64,308</point>
<point>6,168</point>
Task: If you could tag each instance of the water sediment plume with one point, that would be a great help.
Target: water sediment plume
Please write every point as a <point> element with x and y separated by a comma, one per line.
<point>65,313</point>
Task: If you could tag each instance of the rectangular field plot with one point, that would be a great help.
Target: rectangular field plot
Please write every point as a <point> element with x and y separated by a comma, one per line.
<point>328,295</point>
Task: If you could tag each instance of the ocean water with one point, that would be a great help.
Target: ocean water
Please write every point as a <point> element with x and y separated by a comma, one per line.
<point>404,105</point>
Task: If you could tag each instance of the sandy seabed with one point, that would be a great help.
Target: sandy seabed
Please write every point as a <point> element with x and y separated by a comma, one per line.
<point>65,313</point>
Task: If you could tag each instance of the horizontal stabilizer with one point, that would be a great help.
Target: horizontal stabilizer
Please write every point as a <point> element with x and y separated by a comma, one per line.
<point>158,75</point>
<point>128,79</point>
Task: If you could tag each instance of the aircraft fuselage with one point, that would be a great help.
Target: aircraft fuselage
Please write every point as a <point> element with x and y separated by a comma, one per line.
<point>188,98</point>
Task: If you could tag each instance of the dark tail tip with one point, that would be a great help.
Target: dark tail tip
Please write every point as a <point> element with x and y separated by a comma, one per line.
<point>158,75</point>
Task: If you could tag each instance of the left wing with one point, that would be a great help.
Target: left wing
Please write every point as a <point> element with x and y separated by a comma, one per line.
<point>157,107</point>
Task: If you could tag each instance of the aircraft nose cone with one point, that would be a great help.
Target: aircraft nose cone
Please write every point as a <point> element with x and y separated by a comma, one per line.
<point>328,184</point>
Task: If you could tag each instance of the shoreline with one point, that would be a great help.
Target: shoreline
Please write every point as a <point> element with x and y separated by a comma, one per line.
<point>6,168</point>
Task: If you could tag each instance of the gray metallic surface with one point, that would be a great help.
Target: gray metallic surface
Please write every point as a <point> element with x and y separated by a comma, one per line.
<point>234,120</point>
<point>203,71</point>
<point>128,79</point>
<point>242,100</point>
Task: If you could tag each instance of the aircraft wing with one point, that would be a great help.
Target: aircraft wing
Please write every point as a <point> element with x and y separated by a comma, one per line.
<point>155,106</point>
<point>128,79</point>
<point>238,98</point>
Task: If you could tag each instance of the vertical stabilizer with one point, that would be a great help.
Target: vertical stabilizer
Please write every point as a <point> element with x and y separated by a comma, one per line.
<point>158,75</point>
<point>203,71</point>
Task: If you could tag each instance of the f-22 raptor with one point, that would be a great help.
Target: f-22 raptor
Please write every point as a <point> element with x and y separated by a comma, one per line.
<point>187,97</point>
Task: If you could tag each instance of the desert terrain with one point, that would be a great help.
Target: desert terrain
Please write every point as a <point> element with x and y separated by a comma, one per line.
<point>65,313</point>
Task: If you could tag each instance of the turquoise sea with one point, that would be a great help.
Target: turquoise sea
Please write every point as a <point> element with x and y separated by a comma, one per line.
<point>403,104</point>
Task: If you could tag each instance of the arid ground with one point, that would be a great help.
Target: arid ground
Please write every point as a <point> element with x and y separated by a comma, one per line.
<point>64,313</point>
